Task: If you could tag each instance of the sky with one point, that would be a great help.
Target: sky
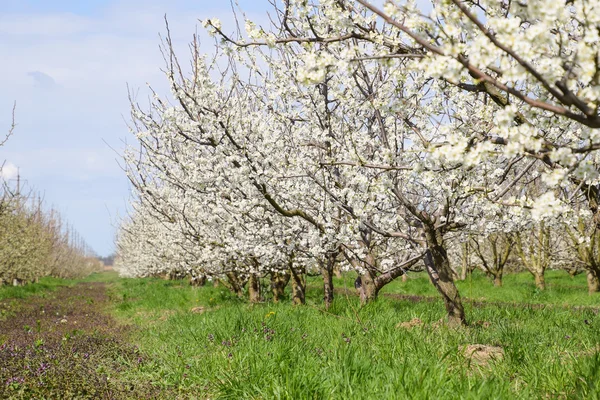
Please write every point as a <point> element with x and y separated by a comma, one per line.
<point>68,65</point>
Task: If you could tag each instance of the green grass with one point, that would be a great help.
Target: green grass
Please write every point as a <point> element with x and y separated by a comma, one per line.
<point>105,277</point>
<point>46,284</point>
<point>561,289</point>
<point>49,284</point>
<point>235,350</point>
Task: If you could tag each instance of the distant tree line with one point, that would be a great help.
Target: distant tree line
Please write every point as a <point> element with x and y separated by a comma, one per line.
<point>36,242</point>
<point>108,260</point>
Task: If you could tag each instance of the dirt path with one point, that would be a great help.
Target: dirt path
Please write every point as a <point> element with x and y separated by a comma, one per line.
<point>64,345</point>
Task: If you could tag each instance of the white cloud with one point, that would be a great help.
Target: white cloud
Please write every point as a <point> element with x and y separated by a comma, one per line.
<point>9,171</point>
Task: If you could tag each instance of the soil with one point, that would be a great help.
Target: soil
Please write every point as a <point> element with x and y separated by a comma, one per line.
<point>481,354</point>
<point>410,324</point>
<point>63,345</point>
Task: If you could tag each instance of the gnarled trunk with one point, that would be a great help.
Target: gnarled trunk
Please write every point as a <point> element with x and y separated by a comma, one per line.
<point>593,280</point>
<point>327,273</point>
<point>367,288</point>
<point>539,279</point>
<point>438,268</point>
<point>498,280</point>
<point>199,280</point>
<point>368,284</point>
<point>171,276</point>
<point>499,247</point>
<point>498,276</point>
<point>235,284</point>
<point>535,255</point>
<point>279,281</point>
<point>327,286</point>
<point>254,288</point>
<point>588,253</point>
<point>298,286</point>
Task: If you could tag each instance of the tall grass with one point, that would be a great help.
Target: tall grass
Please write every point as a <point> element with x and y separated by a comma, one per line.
<point>562,289</point>
<point>235,350</point>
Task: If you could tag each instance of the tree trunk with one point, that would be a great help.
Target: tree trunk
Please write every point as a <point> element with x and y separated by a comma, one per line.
<point>368,284</point>
<point>404,278</point>
<point>539,279</point>
<point>279,281</point>
<point>440,274</point>
<point>298,287</point>
<point>199,280</point>
<point>498,280</point>
<point>327,273</point>
<point>593,280</point>
<point>327,287</point>
<point>235,285</point>
<point>367,288</point>
<point>254,288</point>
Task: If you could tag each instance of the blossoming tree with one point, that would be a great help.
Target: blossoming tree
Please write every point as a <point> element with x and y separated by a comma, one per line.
<point>348,134</point>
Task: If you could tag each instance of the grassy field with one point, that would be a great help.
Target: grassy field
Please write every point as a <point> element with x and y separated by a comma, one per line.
<point>184,342</point>
<point>48,284</point>
<point>525,343</point>
<point>45,285</point>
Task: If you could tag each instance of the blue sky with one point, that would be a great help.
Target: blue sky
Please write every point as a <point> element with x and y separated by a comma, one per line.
<point>67,64</point>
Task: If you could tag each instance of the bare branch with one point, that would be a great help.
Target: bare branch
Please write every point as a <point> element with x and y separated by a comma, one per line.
<point>13,125</point>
